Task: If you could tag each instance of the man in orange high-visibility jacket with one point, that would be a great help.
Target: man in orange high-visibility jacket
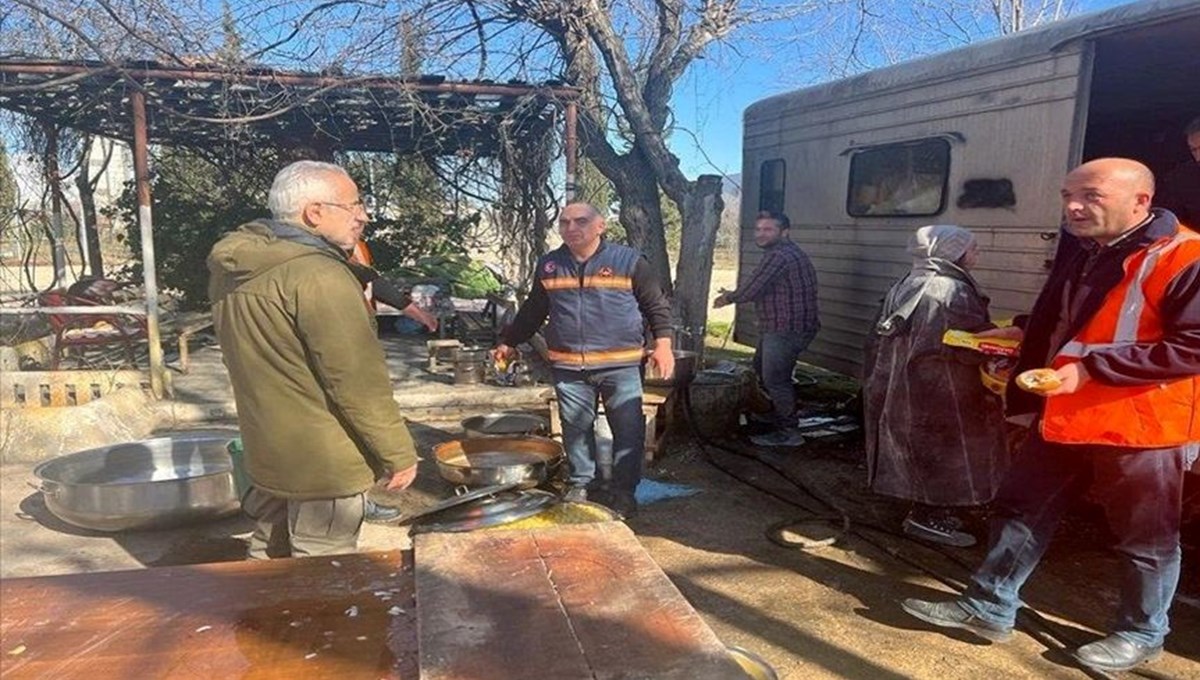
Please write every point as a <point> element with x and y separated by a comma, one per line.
<point>1119,321</point>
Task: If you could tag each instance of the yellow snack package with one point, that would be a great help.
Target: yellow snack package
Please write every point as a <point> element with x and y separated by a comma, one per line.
<point>1003,347</point>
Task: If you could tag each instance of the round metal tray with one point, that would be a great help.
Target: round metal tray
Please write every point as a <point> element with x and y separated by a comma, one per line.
<point>495,509</point>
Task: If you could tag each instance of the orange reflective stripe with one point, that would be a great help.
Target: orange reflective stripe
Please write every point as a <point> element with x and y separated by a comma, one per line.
<point>615,282</point>
<point>1143,416</point>
<point>597,357</point>
<point>568,282</point>
<point>559,283</point>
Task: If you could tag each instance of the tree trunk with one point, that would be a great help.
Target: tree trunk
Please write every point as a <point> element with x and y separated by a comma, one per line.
<point>641,215</point>
<point>701,218</point>
<point>91,235</point>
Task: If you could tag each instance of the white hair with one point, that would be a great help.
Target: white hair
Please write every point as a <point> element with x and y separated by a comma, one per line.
<point>298,184</point>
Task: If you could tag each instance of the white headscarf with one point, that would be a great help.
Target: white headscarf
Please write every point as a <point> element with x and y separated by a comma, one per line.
<point>940,242</point>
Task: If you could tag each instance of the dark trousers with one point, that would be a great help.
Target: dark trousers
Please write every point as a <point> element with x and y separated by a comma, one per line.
<point>1142,493</point>
<point>774,361</point>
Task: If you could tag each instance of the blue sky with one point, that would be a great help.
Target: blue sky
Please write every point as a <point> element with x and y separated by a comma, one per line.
<point>770,60</point>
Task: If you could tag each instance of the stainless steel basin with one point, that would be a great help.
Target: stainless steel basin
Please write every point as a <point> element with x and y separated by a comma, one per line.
<point>153,483</point>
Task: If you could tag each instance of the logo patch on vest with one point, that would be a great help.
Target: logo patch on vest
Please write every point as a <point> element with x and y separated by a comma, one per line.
<point>549,267</point>
<point>605,271</point>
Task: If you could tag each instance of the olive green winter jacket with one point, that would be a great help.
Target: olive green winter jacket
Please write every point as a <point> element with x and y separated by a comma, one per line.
<point>314,400</point>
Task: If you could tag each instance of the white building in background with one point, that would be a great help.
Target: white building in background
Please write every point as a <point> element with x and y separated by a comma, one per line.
<point>27,172</point>
<point>119,171</point>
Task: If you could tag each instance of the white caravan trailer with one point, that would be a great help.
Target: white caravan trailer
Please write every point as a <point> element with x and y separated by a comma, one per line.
<point>981,137</point>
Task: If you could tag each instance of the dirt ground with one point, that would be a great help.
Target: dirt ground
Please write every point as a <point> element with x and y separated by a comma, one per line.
<point>824,613</point>
<point>829,612</point>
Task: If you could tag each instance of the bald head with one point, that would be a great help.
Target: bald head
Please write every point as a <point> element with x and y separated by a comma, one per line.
<point>1106,197</point>
<point>581,227</point>
<point>1123,170</point>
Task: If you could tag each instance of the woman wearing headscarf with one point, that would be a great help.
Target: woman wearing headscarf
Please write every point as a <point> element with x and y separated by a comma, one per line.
<point>935,434</point>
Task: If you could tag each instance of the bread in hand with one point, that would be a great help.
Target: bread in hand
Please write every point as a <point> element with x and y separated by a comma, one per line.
<point>1039,380</point>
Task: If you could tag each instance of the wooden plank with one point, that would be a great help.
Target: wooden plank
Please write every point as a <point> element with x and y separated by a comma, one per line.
<point>577,601</point>
<point>280,619</point>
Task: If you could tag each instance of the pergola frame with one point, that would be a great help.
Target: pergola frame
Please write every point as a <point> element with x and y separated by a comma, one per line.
<point>146,102</point>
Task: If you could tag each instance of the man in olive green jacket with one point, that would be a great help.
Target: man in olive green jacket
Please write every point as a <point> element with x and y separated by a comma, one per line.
<point>315,405</point>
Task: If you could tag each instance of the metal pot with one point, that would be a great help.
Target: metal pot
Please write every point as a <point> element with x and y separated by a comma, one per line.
<point>511,423</point>
<point>487,461</point>
<point>152,483</point>
<point>469,365</point>
<point>685,370</point>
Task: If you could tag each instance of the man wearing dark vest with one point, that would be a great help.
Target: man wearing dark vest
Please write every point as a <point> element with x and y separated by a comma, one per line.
<point>598,297</point>
<point>1119,322</point>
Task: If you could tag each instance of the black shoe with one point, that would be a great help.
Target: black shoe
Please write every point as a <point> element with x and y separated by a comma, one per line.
<point>1115,653</point>
<point>624,504</point>
<point>952,615</point>
<point>943,530</point>
<point>374,512</point>
<point>575,494</point>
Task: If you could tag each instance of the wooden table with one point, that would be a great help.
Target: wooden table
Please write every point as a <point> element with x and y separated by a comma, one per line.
<point>350,616</point>
<point>574,602</point>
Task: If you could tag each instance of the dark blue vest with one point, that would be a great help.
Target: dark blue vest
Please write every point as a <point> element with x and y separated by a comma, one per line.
<point>595,321</point>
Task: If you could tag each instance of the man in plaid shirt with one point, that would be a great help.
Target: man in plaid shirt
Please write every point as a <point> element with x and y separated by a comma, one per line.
<point>784,291</point>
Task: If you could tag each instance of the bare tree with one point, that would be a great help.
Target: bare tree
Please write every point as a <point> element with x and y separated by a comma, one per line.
<point>848,38</point>
<point>626,56</point>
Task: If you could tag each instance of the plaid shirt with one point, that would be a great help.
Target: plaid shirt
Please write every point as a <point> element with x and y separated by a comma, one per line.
<point>784,291</point>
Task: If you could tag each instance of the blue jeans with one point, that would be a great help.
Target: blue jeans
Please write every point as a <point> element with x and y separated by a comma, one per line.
<point>774,361</point>
<point>621,391</point>
<point>1142,491</point>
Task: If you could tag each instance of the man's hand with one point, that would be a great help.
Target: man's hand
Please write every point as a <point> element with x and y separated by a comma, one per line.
<point>1005,333</point>
<point>662,359</point>
<point>421,316</point>
<point>502,353</point>
<point>1074,376</point>
<point>721,300</point>
<point>402,479</point>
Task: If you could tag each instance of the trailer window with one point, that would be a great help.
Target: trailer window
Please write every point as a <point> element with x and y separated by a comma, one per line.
<point>899,179</point>
<point>771,179</point>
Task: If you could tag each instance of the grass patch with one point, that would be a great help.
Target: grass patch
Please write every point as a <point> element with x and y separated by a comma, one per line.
<point>717,349</point>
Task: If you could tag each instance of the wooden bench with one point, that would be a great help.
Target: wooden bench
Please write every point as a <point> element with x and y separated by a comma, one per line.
<point>574,602</point>
<point>183,326</point>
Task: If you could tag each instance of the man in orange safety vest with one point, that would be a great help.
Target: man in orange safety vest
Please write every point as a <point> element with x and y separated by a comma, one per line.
<point>1119,322</point>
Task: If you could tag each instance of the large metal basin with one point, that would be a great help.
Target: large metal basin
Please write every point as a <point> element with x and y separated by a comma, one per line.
<point>487,461</point>
<point>685,370</point>
<point>153,483</point>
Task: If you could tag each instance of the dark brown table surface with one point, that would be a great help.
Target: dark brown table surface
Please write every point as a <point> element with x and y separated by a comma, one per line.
<point>349,616</point>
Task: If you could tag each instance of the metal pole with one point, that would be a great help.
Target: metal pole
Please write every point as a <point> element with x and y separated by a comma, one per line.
<point>59,254</point>
<point>571,150</point>
<point>141,171</point>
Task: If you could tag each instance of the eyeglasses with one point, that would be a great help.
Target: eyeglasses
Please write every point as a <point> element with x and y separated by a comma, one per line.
<point>354,207</point>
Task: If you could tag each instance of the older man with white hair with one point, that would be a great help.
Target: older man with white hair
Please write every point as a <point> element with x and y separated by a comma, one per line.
<point>315,404</point>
